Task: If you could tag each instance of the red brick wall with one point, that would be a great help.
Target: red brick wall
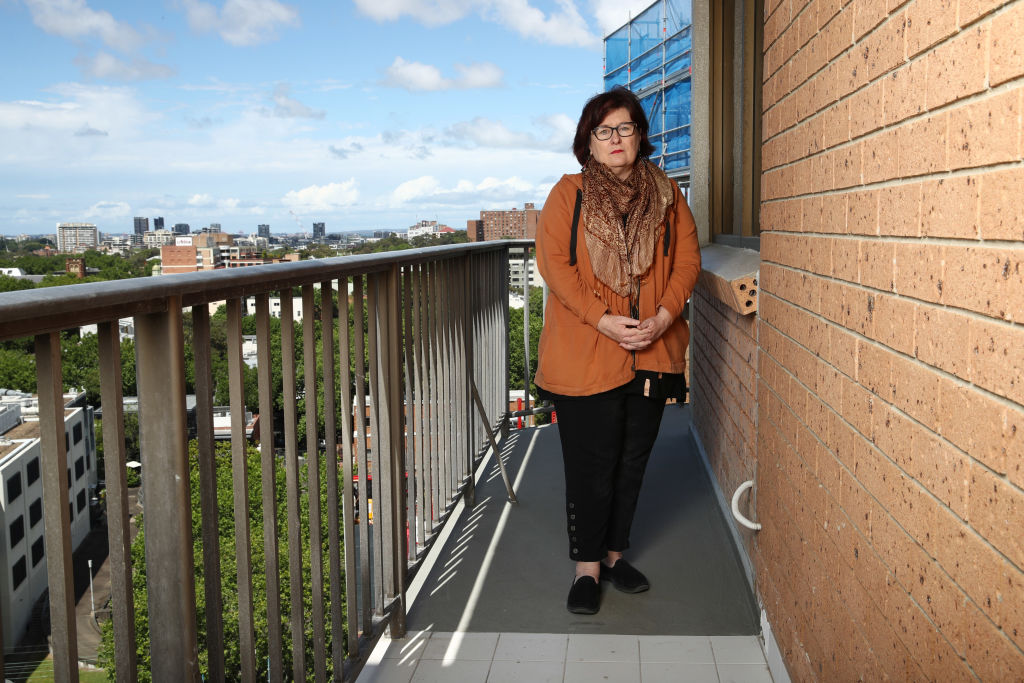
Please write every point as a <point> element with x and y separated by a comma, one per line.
<point>890,437</point>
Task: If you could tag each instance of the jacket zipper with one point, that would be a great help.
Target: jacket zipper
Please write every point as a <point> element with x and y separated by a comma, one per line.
<point>634,294</point>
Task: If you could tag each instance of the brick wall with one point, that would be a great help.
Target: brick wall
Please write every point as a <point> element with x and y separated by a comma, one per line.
<point>723,379</point>
<point>890,438</point>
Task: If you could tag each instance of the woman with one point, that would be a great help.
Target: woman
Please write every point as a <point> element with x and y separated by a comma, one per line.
<point>612,349</point>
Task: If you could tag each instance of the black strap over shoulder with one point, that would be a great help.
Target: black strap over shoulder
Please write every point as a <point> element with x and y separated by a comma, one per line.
<point>575,227</point>
<point>668,233</point>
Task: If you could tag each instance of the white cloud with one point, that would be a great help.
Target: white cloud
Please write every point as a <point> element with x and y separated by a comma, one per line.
<point>564,27</point>
<point>419,77</point>
<point>323,198</point>
<point>108,210</point>
<point>74,19</point>
<point>429,191</point>
<point>200,200</point>
<point>32,196</point>
<point>287,107</point>
<point>241,22</point>
<point>611,15</point>
<point>483,132</point>
<point>106,66</point>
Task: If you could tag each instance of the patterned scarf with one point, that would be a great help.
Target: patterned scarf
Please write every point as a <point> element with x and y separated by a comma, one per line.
<point>621,254</point>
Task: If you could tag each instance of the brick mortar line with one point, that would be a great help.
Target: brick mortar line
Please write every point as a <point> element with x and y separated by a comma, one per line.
<point>872,445</point>
<point>945,108</point>
<point>732,348</point>
<point>724,362</point>
<point>987,91</point>
<point>899,182</point>
<point>959,381</point>
<point>1012,245</point>
<point>989,16</point>
<point>966,312</point>
<point>869,544</point>
<point>721,387</point>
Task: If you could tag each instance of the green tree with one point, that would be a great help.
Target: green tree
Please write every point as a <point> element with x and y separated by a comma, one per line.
<point>515,339</point>
<point>229,570</point>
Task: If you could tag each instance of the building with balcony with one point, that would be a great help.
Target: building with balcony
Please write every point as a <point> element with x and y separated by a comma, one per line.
<point>74,238</point>
<point>23,577</point>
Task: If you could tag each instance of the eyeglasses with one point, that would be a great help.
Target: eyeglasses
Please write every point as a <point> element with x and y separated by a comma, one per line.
<point>624,130</point>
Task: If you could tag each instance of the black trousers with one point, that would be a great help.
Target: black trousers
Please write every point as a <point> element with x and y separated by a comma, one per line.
<point>606,442</point>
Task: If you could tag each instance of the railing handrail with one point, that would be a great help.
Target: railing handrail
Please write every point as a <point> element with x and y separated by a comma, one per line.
<point>50,309</point>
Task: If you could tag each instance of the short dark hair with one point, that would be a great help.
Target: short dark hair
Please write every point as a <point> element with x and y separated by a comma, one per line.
<point>598,107</point>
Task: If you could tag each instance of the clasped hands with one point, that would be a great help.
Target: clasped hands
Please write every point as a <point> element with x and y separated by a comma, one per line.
<point>634,335</point>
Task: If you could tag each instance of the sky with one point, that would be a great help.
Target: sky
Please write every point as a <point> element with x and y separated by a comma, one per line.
<point>362,114</point>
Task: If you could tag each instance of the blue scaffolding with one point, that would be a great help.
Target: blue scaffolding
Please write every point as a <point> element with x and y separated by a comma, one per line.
<point>652,56</point>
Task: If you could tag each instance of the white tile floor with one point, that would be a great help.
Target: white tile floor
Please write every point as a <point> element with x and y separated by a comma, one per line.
<point>426,657</point>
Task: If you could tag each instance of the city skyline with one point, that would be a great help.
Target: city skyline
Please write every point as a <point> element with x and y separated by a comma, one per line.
<point>361,115</point>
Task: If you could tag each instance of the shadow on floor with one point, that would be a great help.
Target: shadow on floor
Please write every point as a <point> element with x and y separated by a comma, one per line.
<point>505,568</point>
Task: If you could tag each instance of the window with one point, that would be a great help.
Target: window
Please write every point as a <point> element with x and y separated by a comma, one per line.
<point>32,471</point>
<point>69,479</point>
<point>77,431</point>
<point>79,468</point>
<point>88,462</point>
<point>35,512</point>
<point>13,487</point>
<point>67,442</point>
<point>37,551</point>
<point>71,511</point>
<point>81,500</point>
<point>18,572</point>
<point>17,530</point>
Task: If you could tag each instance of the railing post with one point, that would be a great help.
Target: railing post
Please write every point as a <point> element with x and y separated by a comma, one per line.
<point>526,327</point>
<point>121,597</point>
<point>56,515</point>
<point>163,437</point>
<point>392,361</point>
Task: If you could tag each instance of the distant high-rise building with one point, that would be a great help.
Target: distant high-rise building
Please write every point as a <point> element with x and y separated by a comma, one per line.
<point>263,230</point>
<point>181,229</point>
<point>319,231</point>
<point>512,224</point>
<point>214,227</point>
<point>141,225</point>
<point>158,223</point>
<point>76,237</point>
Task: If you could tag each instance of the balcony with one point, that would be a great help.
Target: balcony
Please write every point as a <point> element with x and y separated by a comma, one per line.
<point>447,564</point>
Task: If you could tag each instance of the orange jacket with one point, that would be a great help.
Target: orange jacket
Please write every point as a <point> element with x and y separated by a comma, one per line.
<point>575,359</point>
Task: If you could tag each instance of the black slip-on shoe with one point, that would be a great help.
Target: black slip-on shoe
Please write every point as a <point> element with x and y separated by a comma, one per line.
<point>584,596</point>
<point>625,577</point>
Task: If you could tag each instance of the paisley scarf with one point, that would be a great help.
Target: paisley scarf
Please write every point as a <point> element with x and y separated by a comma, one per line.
<point>623,221</point>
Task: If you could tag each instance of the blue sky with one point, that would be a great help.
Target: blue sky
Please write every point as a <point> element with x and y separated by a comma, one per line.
<point>364,114</point>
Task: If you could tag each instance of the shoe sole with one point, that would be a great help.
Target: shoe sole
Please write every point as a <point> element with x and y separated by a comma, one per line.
<point>583,610</point>
<point>624,589</point>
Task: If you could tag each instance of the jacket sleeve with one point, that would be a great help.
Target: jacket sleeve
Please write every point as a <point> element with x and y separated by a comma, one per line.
<point>685,258</point>
<point>553,232</point>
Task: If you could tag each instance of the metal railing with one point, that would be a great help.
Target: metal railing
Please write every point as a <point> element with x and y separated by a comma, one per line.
<point>436,329</point>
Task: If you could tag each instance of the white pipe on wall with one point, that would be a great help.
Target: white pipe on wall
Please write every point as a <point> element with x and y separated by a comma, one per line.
<point>736,506</point>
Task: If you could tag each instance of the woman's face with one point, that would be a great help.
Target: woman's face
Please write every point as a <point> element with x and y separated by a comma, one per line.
<point>617,153</point>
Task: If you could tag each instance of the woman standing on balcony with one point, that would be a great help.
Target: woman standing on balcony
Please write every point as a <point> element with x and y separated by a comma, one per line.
<point>617,247</point>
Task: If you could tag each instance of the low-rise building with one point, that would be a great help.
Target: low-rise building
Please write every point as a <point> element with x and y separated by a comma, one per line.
<point>22,553</point>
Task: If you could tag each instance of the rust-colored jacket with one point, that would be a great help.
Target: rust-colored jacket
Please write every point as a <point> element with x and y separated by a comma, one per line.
<point>574,359</point>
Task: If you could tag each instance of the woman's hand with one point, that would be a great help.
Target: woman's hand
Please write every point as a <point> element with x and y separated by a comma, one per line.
<point>634,335</point>
<point>658,323</point>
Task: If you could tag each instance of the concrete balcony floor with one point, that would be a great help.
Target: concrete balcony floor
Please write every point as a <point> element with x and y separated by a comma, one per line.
<point>489,603</point>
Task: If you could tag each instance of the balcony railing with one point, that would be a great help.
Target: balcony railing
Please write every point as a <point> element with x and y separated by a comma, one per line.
<point>434,339</point>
